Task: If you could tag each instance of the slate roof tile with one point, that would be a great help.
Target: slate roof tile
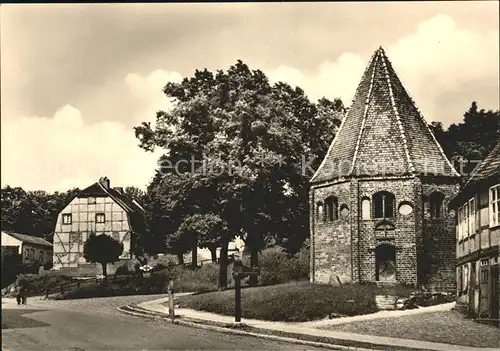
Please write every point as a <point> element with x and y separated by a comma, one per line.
<point>383,133</point>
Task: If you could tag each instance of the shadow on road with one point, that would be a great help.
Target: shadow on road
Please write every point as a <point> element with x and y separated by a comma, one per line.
<point>12,318</point>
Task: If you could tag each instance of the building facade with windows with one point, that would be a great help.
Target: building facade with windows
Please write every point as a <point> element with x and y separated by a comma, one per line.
<point>379,199</point>
<point>98,209</point>
<point>31,249</point>
<point>478,239</point>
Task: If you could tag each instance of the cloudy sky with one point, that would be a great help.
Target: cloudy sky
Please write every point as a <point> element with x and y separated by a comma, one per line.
<point>75,78</point>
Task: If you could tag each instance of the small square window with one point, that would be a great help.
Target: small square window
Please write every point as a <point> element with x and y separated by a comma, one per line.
<point>91,200</point>
<point>66,218</point>
<point>100,218</point>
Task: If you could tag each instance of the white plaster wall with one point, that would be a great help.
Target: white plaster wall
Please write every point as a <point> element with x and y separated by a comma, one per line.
<point>7,240</point>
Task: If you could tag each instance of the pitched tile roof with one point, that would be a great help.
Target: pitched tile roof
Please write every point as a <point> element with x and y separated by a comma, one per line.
<point>383,133</point>
<point>489,168</point>
<point>28,238</point>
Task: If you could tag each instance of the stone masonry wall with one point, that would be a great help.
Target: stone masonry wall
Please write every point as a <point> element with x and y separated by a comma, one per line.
<point>355,225</point>
<point>425,248</point>
<point>404,236</point>
<point>332,240</point>
<point>439,240</point>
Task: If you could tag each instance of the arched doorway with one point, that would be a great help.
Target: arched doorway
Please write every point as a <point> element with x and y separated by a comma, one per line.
<point>385,263</point>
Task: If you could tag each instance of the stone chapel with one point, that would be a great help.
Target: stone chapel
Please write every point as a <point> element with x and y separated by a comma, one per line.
<point>379,200</point>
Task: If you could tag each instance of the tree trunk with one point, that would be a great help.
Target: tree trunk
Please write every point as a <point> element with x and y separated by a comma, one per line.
<point>223,266</point>
<point>254,263</point>
<point>104,269</point>
<point>194,259</point>
<point>213,252</point>
<point>180,257</point>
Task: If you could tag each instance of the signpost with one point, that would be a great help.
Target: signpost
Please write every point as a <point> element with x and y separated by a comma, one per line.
<point>145,277</point>
<point>171,311</point>
<point>146,271</point>
<point>240,272</point>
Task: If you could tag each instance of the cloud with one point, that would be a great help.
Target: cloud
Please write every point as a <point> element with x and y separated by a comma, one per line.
<point>331,79</point>
<point>62,151</point>
<point>439,59</point>
<point>148,90</point>
<point>442,65</point>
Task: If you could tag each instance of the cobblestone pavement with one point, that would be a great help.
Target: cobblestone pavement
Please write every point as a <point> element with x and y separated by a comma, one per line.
<point>444,326</point>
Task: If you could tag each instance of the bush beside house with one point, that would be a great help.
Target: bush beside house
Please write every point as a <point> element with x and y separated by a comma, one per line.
<point>276,267</point>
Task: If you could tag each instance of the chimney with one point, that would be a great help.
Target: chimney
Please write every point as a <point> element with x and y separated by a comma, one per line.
<point>119,189</point>
<point>104,181</point>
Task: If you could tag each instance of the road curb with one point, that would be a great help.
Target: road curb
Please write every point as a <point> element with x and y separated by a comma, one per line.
<point>241,332</point>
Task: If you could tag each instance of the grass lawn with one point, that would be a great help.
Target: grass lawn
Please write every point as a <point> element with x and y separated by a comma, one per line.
<point>292,302</point>
<point>446,327</point>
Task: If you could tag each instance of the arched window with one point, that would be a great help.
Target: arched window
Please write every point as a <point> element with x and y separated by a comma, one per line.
<point>319,212</point>
<point>383,205</point>
<point>435,204</point>
<point>331,209</point>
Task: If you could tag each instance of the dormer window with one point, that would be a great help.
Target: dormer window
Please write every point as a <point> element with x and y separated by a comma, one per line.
<point>66,218</point>
<point>100,218</point>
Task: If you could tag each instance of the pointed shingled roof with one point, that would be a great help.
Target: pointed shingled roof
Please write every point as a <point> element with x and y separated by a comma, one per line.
<point>383,133</point>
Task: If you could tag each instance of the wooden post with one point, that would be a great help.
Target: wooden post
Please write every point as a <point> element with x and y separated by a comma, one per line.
<point>171,311</point>
<point>237,298</point>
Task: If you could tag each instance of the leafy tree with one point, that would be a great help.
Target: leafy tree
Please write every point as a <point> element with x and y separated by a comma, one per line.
<point>135,193</point>
<point>13,207</point>
<point>32,212</point>
<point>470,141</point>
<point>102,249</point>
<point>253,139</point>
<point>203,230</point>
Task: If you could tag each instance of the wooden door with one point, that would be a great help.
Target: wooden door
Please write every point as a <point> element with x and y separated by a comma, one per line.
<point>484,292</point>
<point>494,293</point>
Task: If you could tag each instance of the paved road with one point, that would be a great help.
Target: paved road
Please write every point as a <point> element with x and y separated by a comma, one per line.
<point>95,324</point>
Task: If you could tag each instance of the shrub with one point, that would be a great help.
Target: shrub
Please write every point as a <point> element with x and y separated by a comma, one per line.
<point>204,278</point>
<point>277,267</point>
<point>159,267</point>
<point>128,267</point>
<point>163,262</point>
<point>293,302</point>
<point>427,298</point>
<point>93,290</point>
<point>39,284</point>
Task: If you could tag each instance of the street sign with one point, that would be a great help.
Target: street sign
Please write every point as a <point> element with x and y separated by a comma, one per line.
<point>240,272</point>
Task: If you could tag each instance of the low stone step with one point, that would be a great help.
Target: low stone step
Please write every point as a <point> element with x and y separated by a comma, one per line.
<point>386,302</point>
